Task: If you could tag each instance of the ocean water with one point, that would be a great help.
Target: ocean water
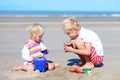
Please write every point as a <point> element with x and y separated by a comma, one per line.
<point>59,14</point>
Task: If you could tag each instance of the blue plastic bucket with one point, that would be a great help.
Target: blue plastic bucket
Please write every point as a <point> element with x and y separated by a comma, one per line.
<point>40,64</point>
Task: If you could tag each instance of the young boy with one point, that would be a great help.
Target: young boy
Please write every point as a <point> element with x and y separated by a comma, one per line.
<point>84,42</point>
<point>34,48</point>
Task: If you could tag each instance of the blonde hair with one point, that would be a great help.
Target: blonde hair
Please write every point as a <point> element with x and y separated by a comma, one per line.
<point>69,24</point>
<point>35,30</point>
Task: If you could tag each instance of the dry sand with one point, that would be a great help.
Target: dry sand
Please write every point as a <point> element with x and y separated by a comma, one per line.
<point>13,35</point>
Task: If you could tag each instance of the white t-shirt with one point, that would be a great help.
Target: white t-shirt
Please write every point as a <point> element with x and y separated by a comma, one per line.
<point>26,54</point>
<point>90,36</point>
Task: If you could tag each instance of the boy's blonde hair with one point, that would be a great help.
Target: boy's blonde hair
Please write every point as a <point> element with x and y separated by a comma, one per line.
<point>35,30</point>
<point>70,24</point>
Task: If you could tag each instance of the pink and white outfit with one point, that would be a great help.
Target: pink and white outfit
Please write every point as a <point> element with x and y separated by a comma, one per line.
<point>97,54</point>
<point>31,49</point>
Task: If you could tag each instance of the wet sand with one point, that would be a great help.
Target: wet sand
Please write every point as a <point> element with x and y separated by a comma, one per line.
<point>13,35</point>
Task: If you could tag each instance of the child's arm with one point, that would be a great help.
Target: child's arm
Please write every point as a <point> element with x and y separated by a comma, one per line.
<point>25,54</point>
<point>44,49</point>
<point>78,42</point>
<point>85,51</point>
<point>69,44</point>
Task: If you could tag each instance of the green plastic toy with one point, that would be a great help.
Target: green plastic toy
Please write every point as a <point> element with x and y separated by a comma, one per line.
<point>86,70</point>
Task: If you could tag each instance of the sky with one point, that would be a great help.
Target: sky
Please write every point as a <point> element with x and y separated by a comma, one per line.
<point>59,5</point>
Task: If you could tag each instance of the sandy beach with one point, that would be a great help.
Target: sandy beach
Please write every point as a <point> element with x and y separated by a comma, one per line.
<point>13,35</point>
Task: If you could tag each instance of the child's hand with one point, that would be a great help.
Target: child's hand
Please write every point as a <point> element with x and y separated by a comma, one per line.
<point>68,48</point>
<point>67,44</point>
<point>45,52</point>
<point>71,43</point>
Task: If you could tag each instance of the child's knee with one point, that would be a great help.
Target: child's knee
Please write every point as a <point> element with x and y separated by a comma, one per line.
<point>78,41</point>
<point>57,65</point>
<point>51,66</point>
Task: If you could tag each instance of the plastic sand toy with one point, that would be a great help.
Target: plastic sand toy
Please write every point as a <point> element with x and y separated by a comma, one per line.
<point>76,71</point>
<point>40,64</point>
<point>86,70</point>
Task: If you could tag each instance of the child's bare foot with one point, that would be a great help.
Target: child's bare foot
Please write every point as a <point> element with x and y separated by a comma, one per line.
<point>16,68</point>
<point>88,65</point>
<point>78,64</point>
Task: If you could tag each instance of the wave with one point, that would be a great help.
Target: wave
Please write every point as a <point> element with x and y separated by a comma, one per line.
<point>58,14</point>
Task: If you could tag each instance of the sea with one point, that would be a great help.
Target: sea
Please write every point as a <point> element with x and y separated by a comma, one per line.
<point>59,13</point>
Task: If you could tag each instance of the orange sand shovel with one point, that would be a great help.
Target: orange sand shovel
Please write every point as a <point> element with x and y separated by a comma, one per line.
<point>76,71</point>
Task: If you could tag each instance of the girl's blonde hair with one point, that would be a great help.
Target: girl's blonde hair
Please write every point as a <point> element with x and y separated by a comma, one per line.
<point>35,30</point>
<point>69,24</point>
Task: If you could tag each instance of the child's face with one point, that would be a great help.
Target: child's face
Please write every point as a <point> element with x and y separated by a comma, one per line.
<point>37,38</point>
<point>72,34</point>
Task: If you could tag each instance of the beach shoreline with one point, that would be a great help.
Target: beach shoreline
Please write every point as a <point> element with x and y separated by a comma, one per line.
<point>13,35</point>
<point>56,19</point>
